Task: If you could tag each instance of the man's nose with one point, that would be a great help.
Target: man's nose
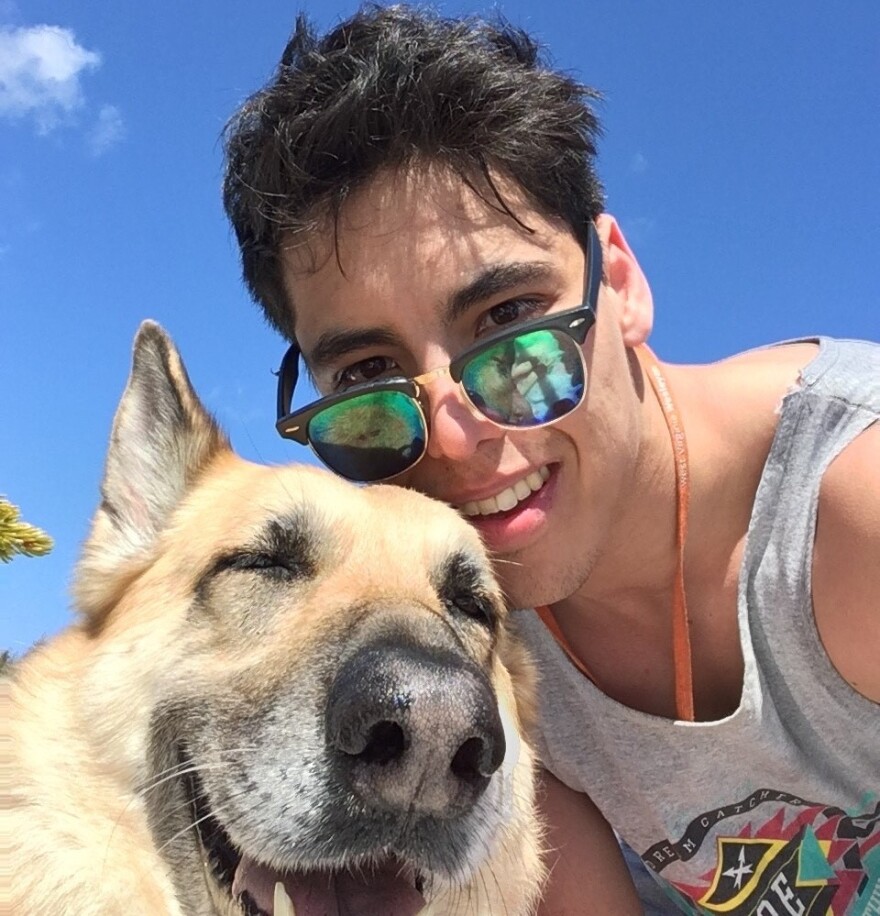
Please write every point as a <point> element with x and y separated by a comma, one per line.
<point>456,428</point>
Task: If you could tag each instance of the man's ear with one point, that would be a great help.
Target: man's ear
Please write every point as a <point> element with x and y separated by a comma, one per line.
<point>624,276</point>
<point>162,438</point>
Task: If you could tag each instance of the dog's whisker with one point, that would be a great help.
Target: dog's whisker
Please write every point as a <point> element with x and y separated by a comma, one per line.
<point>503,561</point>
<point>174,772</point>
<point>171,812</point>
<point>485,879</point>
<point>189,766</point>
<point>193,825</point>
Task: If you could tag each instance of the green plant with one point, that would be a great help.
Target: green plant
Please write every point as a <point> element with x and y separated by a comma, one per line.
<point>18,537</point>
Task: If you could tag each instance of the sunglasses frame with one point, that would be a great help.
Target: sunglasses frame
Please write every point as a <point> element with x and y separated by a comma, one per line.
<point>302,418</point>
<point>575,323</point>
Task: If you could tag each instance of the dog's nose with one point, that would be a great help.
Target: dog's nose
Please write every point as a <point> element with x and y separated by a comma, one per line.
<point>414,729</point>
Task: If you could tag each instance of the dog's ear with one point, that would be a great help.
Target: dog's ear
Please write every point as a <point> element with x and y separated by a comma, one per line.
<point>162,439</point>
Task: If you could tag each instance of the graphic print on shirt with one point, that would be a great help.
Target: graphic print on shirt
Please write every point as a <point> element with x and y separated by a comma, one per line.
<point>776,854</point>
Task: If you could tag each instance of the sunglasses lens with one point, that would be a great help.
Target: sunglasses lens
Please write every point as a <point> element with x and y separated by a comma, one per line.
<point>527,380</point>
<point>369,437</point>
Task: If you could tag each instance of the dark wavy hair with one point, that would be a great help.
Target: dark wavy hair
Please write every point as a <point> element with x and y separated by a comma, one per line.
<point>394,88</point>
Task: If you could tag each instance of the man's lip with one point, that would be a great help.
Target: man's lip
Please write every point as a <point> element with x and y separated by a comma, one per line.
<point>507,532</point>
<point>498,486</point>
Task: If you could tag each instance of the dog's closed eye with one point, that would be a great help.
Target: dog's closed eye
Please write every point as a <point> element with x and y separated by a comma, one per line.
<point>284,550</point>
<point>473,605</point>
<point>461,583</point>
<point>272,565</point>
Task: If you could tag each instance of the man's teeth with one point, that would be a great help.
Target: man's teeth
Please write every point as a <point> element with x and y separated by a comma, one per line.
<point>283,905</point>
<point>507,499</point>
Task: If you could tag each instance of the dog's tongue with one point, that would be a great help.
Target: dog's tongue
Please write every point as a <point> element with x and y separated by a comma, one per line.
<point>381,891</point>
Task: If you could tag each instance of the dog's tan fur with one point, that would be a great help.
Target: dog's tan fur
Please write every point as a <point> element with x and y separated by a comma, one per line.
<point>152,635</point>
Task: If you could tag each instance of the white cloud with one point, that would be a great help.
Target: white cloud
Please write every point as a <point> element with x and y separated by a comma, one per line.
<point>40,70</point>
<point>639,228</point>
<point>639,163</point>
<point>107,131</point>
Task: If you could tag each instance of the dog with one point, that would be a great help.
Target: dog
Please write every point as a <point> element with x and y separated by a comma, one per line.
<point>284,694</point>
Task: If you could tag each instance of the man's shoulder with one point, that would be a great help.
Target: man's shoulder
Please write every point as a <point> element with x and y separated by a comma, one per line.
<point>846,562</point>
<point>807,358</point>
<point>748,393</point>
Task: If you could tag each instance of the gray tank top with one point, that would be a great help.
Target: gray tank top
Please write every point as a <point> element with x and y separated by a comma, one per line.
<point>774,810</point>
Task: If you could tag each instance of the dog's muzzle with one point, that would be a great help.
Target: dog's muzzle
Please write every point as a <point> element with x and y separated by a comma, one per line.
<point>412,737</point>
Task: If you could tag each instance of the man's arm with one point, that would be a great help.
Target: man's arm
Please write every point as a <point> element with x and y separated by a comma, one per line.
<point>588,876</point>
<point>846,563</point>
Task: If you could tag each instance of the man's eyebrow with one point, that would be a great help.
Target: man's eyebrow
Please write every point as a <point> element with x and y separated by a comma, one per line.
<point>332,345</point>
<point>489,283</point>
<point>494,280</point>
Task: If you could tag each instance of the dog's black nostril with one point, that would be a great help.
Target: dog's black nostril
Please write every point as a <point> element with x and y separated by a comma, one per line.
<point>475,761</point>
<point>386,742</point>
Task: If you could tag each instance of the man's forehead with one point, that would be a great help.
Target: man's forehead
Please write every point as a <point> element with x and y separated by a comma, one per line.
<point>410,210</point>
<point>424,241</point>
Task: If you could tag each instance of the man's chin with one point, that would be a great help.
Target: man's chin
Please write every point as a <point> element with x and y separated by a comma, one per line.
<point>536,577</point>
<point>526,588</point>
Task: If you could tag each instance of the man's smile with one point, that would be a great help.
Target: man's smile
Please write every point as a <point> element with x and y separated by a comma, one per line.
<point>509,497</point>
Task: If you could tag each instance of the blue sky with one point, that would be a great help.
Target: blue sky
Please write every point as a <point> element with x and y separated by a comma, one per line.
<point>740,155</point>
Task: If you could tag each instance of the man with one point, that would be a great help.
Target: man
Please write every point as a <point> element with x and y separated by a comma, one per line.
<point>412,194</point>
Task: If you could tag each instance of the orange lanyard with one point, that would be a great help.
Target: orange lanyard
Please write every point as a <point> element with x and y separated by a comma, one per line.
<point>681,640</point>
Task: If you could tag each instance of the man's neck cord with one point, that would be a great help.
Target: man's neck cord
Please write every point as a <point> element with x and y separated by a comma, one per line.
<point>681,641</point>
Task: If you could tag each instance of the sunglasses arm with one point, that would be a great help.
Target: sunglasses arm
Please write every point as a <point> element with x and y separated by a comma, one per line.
<point>288,375</point>
<point>594,266</point>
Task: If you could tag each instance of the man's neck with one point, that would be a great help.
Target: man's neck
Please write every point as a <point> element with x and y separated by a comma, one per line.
<point>619,620</point>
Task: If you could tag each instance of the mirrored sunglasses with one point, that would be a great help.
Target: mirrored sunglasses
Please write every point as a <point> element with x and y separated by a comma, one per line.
<point>528,376</point>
